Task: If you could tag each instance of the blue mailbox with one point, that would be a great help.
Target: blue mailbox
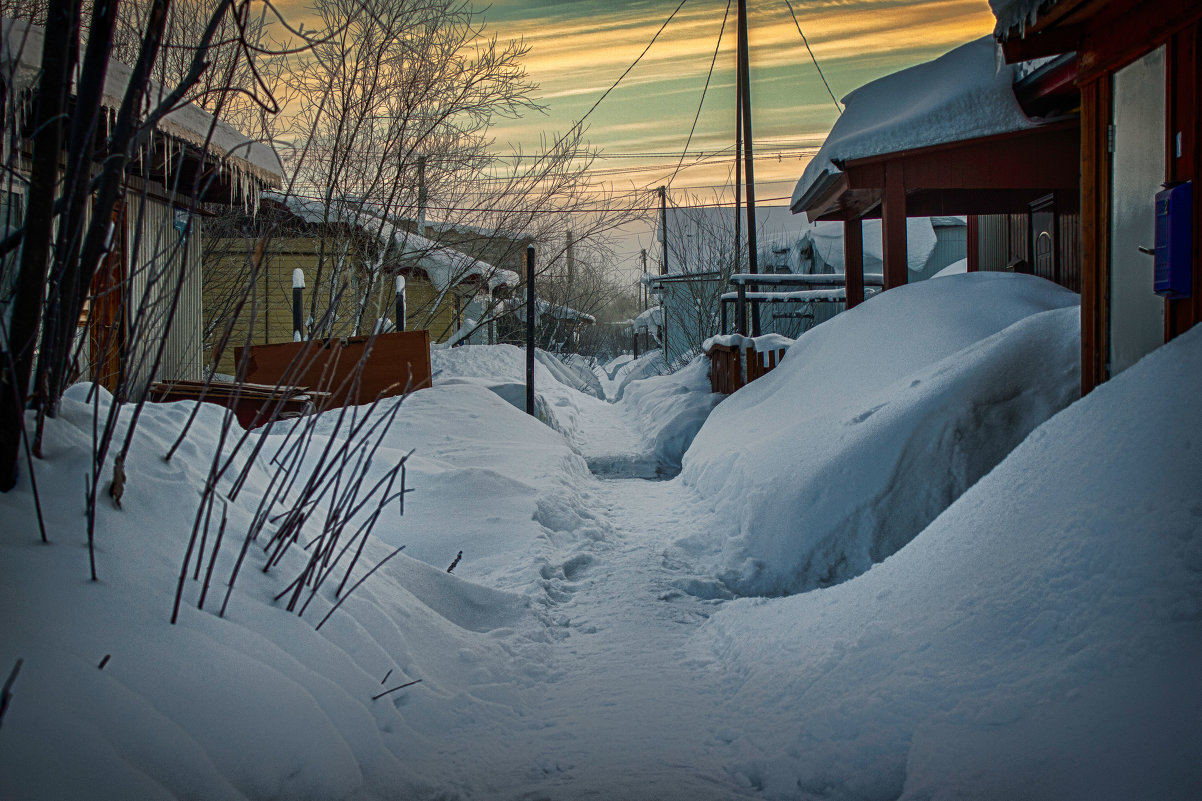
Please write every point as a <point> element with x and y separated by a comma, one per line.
<point>1174,240</point>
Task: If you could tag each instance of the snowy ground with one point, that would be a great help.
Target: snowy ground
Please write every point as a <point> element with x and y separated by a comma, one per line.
<point>1032,633</point>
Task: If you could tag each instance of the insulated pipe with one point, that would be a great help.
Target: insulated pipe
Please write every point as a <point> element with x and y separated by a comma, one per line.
<point>298,304</point>
<point>400,303</point>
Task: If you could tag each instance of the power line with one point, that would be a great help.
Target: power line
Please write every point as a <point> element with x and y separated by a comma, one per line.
<point>671,16</point>
<point>708,77</point>
<point>814,58</point>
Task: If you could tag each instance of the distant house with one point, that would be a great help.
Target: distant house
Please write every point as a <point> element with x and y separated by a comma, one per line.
<point>1138,68</point>
<point>190,165</point>
<point>951,137</point>
<point>701,261</point>
<point>359,257</point>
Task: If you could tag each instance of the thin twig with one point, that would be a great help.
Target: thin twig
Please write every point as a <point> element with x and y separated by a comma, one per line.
<point>394,689</point>
<point>351,591</point>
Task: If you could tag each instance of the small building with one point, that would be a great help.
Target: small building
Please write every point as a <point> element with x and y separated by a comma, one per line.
<point>951,137</point>
<point>1138,67</point>
<point>144,322</point>
<point>351,258</point>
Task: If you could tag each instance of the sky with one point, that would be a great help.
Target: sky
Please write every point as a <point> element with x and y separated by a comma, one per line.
<point>579,48</point>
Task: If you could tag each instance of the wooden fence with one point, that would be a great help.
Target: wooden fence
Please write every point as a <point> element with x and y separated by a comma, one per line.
<point>732,367</point>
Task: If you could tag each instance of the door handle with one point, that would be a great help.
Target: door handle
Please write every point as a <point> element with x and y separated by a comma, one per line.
<point>1147,251</point>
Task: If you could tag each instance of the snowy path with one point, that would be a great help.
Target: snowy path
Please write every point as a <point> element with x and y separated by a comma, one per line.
<point>610,441</point>
<point>621,709</point>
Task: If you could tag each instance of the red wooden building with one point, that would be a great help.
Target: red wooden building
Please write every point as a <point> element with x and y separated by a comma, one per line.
<point>1139,72</point>
<point>1005,154</point>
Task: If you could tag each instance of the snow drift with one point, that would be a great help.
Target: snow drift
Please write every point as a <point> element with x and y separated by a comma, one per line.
<point>1038,640</point>
<point>670,410</point>
<point>874,423</point>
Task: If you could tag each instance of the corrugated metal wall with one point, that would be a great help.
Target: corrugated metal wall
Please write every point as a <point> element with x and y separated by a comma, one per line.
<point>951,246</point>
<point>157,252</point>
<point>1003,238</point>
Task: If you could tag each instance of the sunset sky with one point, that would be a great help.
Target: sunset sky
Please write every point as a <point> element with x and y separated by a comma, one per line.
<point>579,48</point>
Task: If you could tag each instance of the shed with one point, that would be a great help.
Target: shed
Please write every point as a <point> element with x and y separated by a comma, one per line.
<point>443,287</point>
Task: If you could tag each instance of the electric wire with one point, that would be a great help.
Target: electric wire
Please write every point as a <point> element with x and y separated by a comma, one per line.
<point>633,64</point>
<point>708,77</point>
<point>814,58</point>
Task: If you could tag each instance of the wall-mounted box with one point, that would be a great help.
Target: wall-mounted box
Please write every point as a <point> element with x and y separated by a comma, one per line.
<point>1174,241</point>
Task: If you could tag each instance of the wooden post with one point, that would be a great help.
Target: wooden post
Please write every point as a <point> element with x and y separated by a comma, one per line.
<point>741,310</point>
<point>893,225</point>
<point>853,261</point>
<point>530,301</point>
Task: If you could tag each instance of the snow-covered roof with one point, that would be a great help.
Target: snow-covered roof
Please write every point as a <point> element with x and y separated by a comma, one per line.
<point>564,312</point>
<point>963,94</point>
<point>20,64</point>
<point>649,320</point>
<point>446,267</point>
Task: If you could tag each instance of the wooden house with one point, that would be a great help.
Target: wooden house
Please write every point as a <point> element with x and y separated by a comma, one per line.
<point>1138,67</point>
<point>954,136</point>
<point>144,320</point>
<point>351,259</point>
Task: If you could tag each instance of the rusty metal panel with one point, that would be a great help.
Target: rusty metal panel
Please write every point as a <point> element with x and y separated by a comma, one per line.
<point>354,370</point>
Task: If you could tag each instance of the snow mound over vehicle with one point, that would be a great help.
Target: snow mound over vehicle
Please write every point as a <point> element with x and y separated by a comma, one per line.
<point>1038,640</point>
<point>874,423</point>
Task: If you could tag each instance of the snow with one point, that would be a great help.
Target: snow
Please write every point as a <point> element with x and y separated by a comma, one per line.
<point>20,62</point>
<point>963,94</point>
<point>651,363</point>
<point>902,423</point>
<point>650,319</point>
<point>826,239</point>
<point>1037,637</point>
<point>955,268</point>
<point>760,344</point>
<point>1038,640</point>
<point>445,267</point>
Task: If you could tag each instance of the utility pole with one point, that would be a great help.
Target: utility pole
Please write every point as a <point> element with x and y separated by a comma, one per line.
<point>643,291</point>
<point>663,226</point>
<point>748,153</point>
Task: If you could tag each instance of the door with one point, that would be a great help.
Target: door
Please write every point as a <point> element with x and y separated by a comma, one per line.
<point>1136,319</point>
<point>1043,239</point>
